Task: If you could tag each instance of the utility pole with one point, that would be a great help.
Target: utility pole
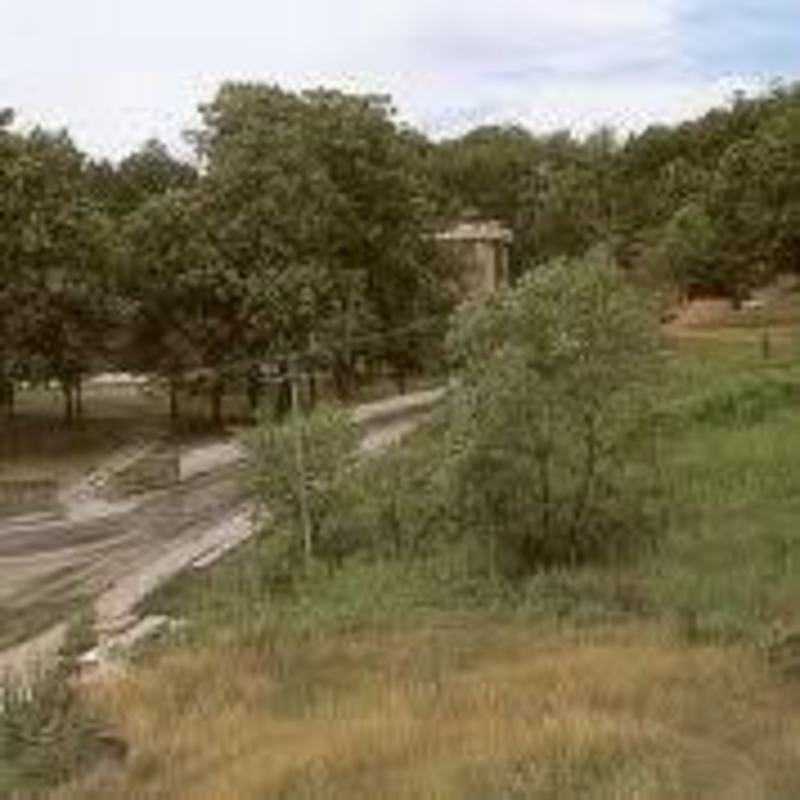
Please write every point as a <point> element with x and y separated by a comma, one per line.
<point>301,472</point>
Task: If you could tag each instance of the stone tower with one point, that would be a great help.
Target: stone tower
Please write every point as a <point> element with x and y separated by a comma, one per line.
<point>482,250</point>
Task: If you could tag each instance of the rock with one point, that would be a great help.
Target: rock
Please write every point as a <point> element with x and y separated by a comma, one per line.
<point>114,649</point>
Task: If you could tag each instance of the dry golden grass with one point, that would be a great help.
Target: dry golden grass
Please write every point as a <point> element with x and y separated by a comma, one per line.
<point>465,710</point>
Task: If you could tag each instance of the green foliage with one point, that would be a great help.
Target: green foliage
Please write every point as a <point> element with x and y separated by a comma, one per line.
<point>739,401</point>
<point>544,439</point>
<point>554,192</point>
<point>80,636</point>
<point>324,185</point>
<point>150,171</point>
<point>550,419</point>
<point>307,229</point>
<point>689,246</point>
<point>725,566</point>
<point>299,471</point>
<point>735,165</point>
<point>47,733</point>
<point>57,306</point>
<point>738,163</point>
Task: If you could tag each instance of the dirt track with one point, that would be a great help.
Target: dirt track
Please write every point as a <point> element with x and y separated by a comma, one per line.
<point>122,553</point>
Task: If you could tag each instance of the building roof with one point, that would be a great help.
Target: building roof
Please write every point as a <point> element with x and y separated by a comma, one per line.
<point>478,230</point>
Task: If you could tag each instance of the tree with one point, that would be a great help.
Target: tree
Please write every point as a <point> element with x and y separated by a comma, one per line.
<point>689,247</point>
<point>299,473</point>
<point>326,183</point>
<point>10,152</point>
<point>556,193</point>
<point>55,250</point>
<point>545,441</point>
<point>492,172</point>
<point>738,203</point>
<point>147,172</point>
<point>781,136</point>
<point>194,307</point>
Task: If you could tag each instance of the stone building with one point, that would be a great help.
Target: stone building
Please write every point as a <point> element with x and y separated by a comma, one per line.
<point>481,248</point>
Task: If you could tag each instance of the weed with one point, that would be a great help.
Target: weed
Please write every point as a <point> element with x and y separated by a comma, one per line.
<point>47,732</point>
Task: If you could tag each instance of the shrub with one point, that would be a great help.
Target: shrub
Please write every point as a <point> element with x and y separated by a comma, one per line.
<point>47,733</point>
<point>549,423</point>
<point>299,473</point>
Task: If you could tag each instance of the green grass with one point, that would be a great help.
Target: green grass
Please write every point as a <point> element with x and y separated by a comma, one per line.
<point>727,567</point>
<point>732,555</point>
<point>47,733</point>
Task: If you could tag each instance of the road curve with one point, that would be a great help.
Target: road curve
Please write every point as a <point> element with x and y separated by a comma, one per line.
<point>51,564</point>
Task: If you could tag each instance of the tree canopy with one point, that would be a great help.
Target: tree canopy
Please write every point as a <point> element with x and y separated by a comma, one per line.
<point>305,227</point>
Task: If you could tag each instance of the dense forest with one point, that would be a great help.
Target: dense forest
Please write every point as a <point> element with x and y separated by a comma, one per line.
<point>303,226</point>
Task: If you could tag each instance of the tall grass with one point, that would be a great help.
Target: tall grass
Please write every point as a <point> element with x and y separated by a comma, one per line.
<point>730,565</point>
<point>734,401</point>
<point>457,708</point>
<point>47,732</point>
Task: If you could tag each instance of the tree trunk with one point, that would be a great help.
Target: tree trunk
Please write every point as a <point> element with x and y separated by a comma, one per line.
<point>400,379</point>
<point>78,388</point>
<point>69,410</point>
<point>253,390</point>
<point>312,390</point>
<point>7,396</point>
<point>217,390</point>
<point>341,380</point>
<point>372,370</point>
<point>174,410</point>
<point>283,398</point>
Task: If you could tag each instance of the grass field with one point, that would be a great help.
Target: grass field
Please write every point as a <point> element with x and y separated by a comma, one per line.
<point>672,677</point>
<point>458,707</point>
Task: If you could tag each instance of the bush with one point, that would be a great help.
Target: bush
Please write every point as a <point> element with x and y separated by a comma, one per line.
<point>47,734</point>
<point>540,457</point>
<point>299,471</point>
<point>550,423</point>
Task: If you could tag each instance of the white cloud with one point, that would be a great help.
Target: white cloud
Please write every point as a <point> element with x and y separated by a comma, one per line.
<point>116,73</point>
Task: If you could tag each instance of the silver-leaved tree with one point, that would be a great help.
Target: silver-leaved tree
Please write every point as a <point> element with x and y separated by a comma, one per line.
<point>549,450</point>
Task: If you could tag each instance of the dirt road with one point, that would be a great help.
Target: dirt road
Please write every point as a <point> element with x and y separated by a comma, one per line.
<point>115,555</point>
<point>45,569</point>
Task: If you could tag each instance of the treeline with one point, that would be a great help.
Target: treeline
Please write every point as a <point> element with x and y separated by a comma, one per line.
<point>711,205</point>
<point>305,229</point>
<point>304,226</point>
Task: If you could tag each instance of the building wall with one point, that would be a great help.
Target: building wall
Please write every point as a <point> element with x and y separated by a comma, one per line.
<point>482,252</point>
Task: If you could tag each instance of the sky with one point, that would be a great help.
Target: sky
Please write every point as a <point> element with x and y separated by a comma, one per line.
<point>116,73</point>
